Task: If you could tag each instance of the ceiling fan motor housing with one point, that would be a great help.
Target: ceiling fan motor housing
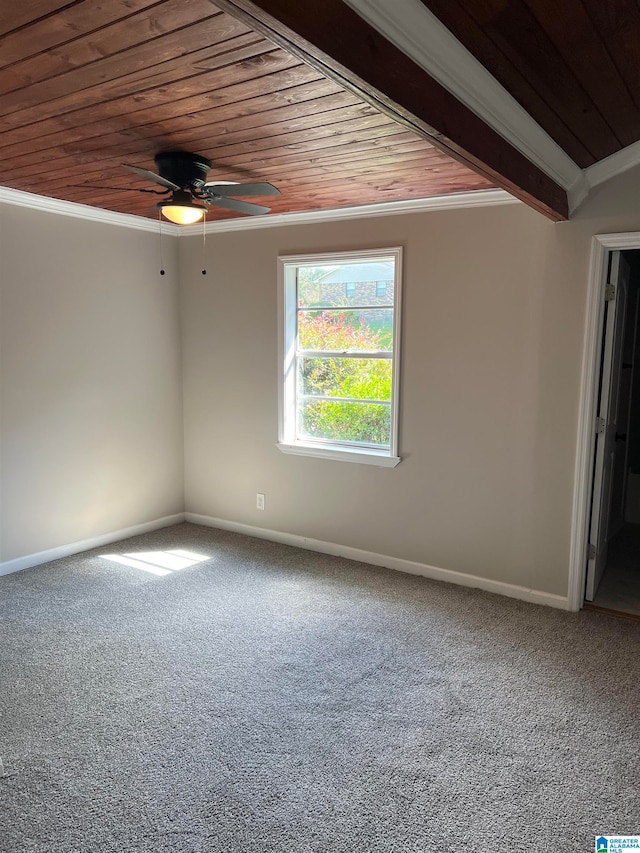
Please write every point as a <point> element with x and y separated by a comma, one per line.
<point>183,168</point>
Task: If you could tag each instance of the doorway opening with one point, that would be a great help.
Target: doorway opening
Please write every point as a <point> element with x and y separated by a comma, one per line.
<point>609,444</point>
<point>613,555</point>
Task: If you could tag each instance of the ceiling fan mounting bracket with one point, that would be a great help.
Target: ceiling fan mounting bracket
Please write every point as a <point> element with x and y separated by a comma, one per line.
<point>182,168</point>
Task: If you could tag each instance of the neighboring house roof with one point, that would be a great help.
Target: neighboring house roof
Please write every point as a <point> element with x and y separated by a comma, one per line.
<point>354,273</point>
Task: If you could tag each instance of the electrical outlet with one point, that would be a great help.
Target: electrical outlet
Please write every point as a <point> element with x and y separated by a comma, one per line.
<point>259,501</point>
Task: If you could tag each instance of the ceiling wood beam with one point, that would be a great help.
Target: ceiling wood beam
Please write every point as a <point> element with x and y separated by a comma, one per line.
<point>331,37</point>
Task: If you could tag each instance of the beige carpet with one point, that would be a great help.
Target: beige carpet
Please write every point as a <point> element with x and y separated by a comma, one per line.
<point>219,694</point>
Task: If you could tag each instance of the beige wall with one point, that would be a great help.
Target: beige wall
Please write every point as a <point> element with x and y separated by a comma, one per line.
<point>91,392</point>
<point>494,302</point>
<point>91,424</point>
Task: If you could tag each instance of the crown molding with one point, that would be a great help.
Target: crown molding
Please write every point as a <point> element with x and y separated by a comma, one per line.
<point>20,198</point>
<point>613,165</point>
<point>416,31</point>
<point>479,198</point>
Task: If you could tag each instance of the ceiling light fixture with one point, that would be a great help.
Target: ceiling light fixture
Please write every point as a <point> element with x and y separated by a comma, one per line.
<point>181,209</point>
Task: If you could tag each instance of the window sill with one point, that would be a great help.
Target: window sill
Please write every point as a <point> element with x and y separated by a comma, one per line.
<point>363,457</point>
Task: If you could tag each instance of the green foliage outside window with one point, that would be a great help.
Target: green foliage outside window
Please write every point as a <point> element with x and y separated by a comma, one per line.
<point>356,378</point>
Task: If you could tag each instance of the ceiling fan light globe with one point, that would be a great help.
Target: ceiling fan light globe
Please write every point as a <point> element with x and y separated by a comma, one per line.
<point>180,208</point>
<point>181,214</point>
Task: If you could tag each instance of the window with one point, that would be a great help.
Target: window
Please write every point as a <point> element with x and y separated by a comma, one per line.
<point>381,289</point>
<point>339,356</point>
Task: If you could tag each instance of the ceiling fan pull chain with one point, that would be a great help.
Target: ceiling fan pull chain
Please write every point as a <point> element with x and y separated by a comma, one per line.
<point>160,239</point>
<point>204,243</point>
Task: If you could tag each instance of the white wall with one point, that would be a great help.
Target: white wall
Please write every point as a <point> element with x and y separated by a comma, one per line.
<point>90,386</point>
<point>492,347</point>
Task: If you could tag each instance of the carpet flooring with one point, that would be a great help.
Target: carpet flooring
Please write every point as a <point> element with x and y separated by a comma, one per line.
<point>216,693</point>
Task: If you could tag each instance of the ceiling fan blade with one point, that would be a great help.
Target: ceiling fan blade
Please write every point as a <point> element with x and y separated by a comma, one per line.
<point>117,189</point>
<point>234,204</point>
<point>151,176</point>
<point>226,190</point>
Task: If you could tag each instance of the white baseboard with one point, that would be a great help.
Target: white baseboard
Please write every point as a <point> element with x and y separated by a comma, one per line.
<point>37,559</point>
<point>523,593</point>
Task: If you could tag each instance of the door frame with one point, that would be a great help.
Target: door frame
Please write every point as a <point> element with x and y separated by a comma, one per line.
<point>601,245</point>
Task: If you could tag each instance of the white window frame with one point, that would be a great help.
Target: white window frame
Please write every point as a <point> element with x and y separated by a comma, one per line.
<point>287,334</point>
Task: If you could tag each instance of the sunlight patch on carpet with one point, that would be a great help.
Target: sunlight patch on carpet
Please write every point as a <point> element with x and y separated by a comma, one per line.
<point>158,562</point>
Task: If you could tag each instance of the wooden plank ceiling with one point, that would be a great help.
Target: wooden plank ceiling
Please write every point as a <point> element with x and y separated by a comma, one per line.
<point>86,87</point>
<point>332,38</point>
<point>573,65</point>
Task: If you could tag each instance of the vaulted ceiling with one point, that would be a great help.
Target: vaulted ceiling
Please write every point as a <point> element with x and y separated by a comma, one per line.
<point>322,98</point>
<point>574,65</point>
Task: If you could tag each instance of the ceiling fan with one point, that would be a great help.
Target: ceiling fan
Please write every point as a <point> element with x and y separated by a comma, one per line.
<point>184,178</point>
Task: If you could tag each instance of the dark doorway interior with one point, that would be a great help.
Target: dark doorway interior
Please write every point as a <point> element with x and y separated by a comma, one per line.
<point>619,589</point>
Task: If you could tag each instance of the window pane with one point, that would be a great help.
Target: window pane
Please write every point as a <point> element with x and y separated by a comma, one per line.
<point>364,423</point>
<point>346,284</point>
<point>340,354</point>
<point>357,378</point>
<point>370,330</point>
